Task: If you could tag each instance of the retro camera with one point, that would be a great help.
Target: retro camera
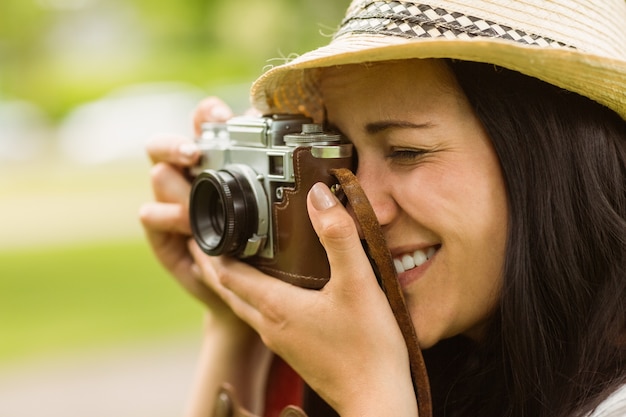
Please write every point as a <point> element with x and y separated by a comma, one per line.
<point>248,198</point>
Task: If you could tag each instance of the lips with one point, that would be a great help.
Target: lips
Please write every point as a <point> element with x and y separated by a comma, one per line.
<point>408,261</point>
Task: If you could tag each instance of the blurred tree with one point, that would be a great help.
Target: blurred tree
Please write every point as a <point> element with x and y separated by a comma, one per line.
<point>58,53</point>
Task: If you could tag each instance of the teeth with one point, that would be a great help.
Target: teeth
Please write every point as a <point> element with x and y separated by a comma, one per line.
<point>410,261</point>
<point>419,258</point>
<point>398,264</point>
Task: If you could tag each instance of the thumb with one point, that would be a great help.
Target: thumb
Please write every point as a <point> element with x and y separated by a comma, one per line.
<point>339,236</point>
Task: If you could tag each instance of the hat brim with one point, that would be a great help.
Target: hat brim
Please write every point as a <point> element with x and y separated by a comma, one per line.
<point>290,88</point>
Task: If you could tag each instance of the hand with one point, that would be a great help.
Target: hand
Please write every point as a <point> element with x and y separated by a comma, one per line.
<point>232,352</point>
<point>343,340</point>
<point>166,220</point>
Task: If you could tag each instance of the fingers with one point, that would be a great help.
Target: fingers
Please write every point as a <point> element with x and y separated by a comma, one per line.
<point>235,283</point>
<point>327,335</point>
<point>270,306</point>
<point>265,302</point>
<point>182,151</point>
<point>173,149</point>
<point>169,185</point>
<point>165,218</point>
<point>167,232</point>
<point>166,221</point>
<point>171,249</point>
<point>339,236</point>
<point>211,109</point>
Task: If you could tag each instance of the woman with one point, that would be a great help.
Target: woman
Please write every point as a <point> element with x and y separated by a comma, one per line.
<point>502,199</point>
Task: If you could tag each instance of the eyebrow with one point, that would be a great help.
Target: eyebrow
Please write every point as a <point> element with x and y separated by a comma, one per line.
<point>377,127</point>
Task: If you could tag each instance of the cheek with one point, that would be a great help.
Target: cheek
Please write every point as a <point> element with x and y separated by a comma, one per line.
<point>466,195</point>
<point>464,205</point>
<point>471,218</point>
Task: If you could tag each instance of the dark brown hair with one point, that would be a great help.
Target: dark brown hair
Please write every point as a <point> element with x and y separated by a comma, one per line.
<point>557,346</point>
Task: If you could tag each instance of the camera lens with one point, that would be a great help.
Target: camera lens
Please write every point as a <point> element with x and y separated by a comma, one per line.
<point>222,212</point>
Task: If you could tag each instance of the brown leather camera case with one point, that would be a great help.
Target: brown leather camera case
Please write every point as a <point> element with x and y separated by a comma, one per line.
<point>300,258</point>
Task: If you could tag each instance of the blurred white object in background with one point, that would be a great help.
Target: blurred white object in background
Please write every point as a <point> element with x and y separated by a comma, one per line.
<point>24,131</point>
<point>118,125</point>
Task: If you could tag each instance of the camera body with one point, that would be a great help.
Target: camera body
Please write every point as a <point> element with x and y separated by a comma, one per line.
<point>248,198</point>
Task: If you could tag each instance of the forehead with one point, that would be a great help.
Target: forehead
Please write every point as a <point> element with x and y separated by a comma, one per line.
<point>397,86</point>
<point>429,72</point>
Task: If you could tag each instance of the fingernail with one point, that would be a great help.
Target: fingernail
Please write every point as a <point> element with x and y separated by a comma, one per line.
<point>188,149</point>
<point>321,197</point>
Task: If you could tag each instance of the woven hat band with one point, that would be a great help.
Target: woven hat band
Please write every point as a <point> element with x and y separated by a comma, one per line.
<point>577,45</point>
<point>416,20</point>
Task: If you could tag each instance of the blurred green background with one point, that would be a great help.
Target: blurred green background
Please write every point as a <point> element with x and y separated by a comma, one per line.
<point>83,85</point>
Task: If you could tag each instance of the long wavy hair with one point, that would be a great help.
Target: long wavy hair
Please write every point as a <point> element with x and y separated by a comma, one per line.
<point>557,345</point>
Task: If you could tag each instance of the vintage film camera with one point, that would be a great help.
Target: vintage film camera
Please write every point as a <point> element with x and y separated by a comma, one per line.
<point>248,198</point>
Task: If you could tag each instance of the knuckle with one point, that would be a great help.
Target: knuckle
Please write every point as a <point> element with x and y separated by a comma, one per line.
<point>183,214</point>
<point>337,228</point>
<point>275,324</point>
<point>179,223</point>
<point>222,276</point>
<point>159,173</point>
<point>210,102</point>
<point>271,307</point>
<point>165,147</point>
<point>151,145</point>
<point>145,214</point>
<point>212,109</point>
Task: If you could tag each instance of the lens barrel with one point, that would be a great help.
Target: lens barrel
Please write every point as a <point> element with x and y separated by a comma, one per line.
<point>222,211</point>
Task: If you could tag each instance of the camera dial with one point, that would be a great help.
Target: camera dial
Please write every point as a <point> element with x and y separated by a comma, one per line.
<point>312,133</point>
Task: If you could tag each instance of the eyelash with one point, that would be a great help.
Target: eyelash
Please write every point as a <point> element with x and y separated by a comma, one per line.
<point>405,155</point>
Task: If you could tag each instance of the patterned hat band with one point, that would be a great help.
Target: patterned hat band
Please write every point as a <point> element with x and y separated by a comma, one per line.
<point>577,45</point>
<point>411,20</point>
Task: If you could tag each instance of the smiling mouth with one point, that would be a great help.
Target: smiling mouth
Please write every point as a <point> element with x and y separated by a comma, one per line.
<point>409,261</point>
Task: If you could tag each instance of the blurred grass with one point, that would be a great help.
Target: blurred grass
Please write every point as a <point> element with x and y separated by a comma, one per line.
<point>76,275</point>
<point>87,296</point>
<point>59,295</point>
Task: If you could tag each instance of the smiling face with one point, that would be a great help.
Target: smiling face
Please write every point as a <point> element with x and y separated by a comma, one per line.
<point>434,181</point>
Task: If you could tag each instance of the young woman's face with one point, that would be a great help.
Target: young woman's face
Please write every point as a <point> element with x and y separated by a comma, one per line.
<point>434,181</point>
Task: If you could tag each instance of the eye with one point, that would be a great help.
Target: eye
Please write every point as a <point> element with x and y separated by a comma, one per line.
<point>406,155</point>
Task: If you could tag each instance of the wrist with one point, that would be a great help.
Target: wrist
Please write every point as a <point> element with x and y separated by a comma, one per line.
<point>234,348</point>
<point>231,353</point>
<point>382,399</point>
<point>384,407</point>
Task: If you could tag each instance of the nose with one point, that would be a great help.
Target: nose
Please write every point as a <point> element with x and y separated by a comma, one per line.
<point>374,181</point>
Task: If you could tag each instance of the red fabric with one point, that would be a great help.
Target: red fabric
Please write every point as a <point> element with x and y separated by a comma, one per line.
<point>284,387</point>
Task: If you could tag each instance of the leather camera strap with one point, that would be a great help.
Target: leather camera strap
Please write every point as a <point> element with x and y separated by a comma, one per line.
<point>382,263</point>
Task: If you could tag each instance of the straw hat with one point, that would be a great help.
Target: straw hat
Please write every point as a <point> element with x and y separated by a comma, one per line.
<point>578,45</point>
